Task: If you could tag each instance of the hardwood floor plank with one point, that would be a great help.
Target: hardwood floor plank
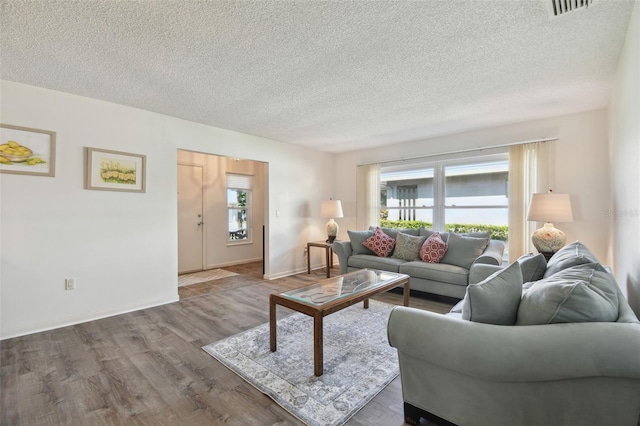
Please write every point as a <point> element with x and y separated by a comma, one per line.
<point>147,367</point>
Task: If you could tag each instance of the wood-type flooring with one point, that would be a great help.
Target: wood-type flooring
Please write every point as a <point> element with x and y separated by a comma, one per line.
<point>147,367</point>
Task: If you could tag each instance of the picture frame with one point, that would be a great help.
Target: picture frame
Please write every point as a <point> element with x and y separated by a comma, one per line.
<point>27,151</point>
<point>107,170</point>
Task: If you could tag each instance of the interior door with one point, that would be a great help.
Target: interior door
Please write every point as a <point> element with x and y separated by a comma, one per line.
<point>190,220</point>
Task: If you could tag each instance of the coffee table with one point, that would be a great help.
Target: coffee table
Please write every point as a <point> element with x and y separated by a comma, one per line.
<point>332,295</point>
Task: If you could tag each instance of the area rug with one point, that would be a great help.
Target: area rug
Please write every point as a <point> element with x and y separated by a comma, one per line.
<point>358,362</point>
<point>203,276</point>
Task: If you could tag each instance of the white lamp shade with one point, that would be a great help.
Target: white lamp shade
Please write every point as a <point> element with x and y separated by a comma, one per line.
<point>550,208</point>
<point>331,209</point>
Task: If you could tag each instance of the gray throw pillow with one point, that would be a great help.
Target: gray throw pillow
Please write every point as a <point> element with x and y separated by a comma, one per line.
<point>463,250</point>
<point>570,255</point>
<point>407,247</point>
<point>357,238</point>
<point>494,300</point>
<point>581,293</point>
<point>533,266</point>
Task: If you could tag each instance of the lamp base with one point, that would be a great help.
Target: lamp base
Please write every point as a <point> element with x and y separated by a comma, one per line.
<point>548,239</point>
<point>332,230</point>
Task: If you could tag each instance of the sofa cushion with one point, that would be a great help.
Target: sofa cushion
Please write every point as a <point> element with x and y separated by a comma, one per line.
<point>570,255</point>
<point>380,243</point>
<point>495,300</point>
<point>533,266</point>
<point>407,247</point>
<point>463,250</point>
<point>445,235</point>
<point>433,249</point>
<point>357,238</point>
<point>581,293</point>
<point>449,274</point>
<point>393,233</point>
<point>372,261</point>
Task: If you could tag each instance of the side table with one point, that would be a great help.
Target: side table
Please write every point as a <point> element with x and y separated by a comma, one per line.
<point>329,255</point>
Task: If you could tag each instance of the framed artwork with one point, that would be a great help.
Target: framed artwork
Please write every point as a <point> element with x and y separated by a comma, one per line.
<point>27,151</point>
<point>114,171</point>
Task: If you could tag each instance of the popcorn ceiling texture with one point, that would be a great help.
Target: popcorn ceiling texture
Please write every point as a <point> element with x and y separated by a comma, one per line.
<point>336,76</point>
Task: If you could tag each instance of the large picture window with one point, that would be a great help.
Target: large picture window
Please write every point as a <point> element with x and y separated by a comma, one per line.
<point>238,207</point>
<point>459,195</point>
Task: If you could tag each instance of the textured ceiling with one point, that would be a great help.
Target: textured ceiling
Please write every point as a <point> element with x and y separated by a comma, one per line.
<point>333,75</point>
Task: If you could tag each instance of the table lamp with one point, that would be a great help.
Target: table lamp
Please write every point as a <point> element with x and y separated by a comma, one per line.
<point>549,208</point>
<point>331,209</point>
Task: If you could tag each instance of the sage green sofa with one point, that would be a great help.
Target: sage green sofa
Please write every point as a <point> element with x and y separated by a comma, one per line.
<point>448,278</point>
<point>576,362</point>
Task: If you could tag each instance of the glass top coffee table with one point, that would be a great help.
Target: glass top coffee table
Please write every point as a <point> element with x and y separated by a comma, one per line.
<point>332,295</point>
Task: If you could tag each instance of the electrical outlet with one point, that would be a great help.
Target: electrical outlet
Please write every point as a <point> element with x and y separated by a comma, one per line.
<point>70,284</point>
<point>305,251</point>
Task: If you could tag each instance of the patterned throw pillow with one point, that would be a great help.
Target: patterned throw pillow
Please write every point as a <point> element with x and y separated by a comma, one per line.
<point>408,247</point>
<point>433,250</point>
<point>380,243</point>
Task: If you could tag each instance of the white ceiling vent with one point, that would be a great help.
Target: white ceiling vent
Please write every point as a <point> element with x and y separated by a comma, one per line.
<point>562,7</point>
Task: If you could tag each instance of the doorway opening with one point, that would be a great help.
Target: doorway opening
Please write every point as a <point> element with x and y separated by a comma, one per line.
<point>222,211</point>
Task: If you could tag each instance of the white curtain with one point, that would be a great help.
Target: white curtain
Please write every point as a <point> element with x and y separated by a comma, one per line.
<point>528,174</point>
<point>368,196</point>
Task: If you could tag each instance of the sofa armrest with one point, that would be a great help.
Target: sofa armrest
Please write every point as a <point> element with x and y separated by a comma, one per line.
<point>492,254</point>
<point>517,353</point>
<point>343,250</point>
<point>480,271</point>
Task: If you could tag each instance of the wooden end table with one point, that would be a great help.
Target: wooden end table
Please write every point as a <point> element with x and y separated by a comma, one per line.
<point>332,295</point>
<point>329,255</point>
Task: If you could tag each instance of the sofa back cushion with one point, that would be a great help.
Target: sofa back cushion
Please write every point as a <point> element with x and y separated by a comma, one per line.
<point>496,299</point>
<point>393,233</point>
<point>581,293</point>
<point>408,247</point>
<point>533,266</point>
<point>357,238</point>
<point>463,250</point>
<point>570,255</point>
<point>380,243</point>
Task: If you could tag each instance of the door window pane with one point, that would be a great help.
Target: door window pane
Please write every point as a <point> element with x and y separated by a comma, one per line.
<point>238,214</point>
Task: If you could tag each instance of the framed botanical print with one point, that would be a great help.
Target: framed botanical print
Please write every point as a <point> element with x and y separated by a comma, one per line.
<point>114,170</point>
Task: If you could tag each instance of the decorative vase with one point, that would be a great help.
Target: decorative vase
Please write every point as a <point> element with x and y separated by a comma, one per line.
<point>548,239</point>
<point>332,230</point>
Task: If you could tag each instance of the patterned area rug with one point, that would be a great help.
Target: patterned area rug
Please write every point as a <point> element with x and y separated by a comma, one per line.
<point>358,362</point>
<point>203,276</point>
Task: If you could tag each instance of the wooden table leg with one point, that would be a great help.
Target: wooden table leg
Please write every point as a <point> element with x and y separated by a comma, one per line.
<point>406,293</point>
<point>331,255</point>
<point>328,264</point>
<point>318,360</point>
<point>308,259</point>
<point>272,323</point>
<point>365,304</point>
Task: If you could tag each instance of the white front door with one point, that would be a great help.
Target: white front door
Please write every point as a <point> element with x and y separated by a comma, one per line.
<point>190,220</point>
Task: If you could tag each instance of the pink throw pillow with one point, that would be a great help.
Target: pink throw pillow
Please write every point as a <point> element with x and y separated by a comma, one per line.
<point>380,243</point>
<point>433,249</point>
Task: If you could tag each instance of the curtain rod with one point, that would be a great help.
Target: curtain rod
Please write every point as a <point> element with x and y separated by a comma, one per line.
<point>484,148</point>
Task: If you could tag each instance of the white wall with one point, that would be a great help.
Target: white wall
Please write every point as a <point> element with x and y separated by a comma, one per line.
<point>219,252</point>
<point>625,169</point>
<point>579,168</point>
<point>122,247</point>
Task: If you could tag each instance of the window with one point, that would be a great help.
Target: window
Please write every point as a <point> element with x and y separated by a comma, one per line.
<point>238,206</point>
<point>457,195</point>
<point>406,194</point>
